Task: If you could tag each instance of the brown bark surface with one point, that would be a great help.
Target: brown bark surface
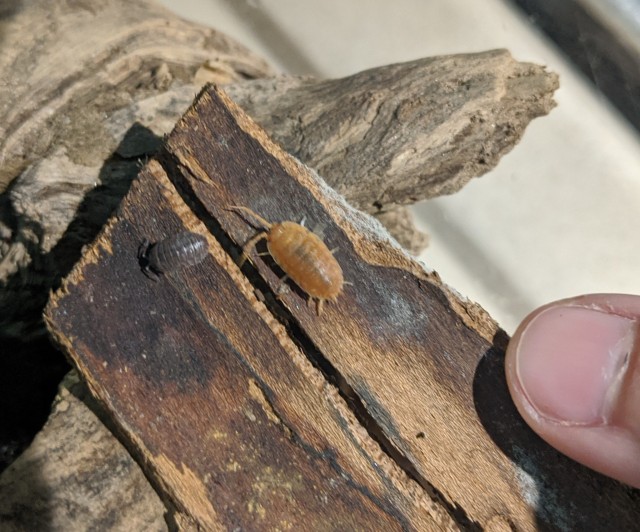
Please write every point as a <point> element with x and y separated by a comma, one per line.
<point>232,407</point>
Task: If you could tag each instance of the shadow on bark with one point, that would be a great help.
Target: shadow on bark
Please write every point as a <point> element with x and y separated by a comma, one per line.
<point>30,367</point>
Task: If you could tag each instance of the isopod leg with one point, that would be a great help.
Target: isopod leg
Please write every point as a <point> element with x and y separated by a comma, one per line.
<point>142,250</point>
<point>150,274</point>
<point>250,244</point>
<point>283,288</point>
<point>319,303</point>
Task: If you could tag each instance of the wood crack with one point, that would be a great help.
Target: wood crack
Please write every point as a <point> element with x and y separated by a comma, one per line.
<point>332,376</point>
<point>307,347</point>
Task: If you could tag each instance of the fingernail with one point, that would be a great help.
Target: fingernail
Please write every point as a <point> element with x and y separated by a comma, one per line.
<point>571,361</point>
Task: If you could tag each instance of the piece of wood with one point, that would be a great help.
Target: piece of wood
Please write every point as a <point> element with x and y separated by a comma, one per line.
<point>76,476</point>
<point>178,362</point>
<point>401,133</point>
<point>69,65</point>
<point>58,204</point>
<point>67,152</point>
<point>94,91</point>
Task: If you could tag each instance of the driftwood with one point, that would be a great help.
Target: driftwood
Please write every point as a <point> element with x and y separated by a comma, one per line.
<point>221,403</point>
<point>77,476</point>
<point>401,133</point>
<point>69,153</point>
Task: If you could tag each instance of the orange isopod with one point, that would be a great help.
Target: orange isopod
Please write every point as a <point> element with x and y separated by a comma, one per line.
<point>302,255</point>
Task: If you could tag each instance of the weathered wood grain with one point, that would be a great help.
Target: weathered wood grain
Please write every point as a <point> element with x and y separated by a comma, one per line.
<point>400,133</point>
<point>419,367</point>
<point>76,476</point>
<point>67,64</point>
<point>93,90</point>
<point>65,187</point>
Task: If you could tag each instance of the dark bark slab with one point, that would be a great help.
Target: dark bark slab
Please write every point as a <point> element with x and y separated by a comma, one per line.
<point>230,421</point>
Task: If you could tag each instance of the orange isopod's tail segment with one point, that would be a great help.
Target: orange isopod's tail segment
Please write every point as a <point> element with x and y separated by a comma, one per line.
<point>245,210</point>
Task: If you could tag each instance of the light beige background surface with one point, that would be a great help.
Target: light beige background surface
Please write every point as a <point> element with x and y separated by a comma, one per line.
<point>560,214</point>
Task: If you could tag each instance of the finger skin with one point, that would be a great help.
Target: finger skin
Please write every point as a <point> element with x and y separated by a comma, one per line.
<point>573,370</point>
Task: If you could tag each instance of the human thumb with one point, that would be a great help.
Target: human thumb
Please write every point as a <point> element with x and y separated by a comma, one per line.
<point>573,370</point>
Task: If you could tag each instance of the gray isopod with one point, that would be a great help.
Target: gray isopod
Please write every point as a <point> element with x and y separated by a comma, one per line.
<point>182,249</point>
